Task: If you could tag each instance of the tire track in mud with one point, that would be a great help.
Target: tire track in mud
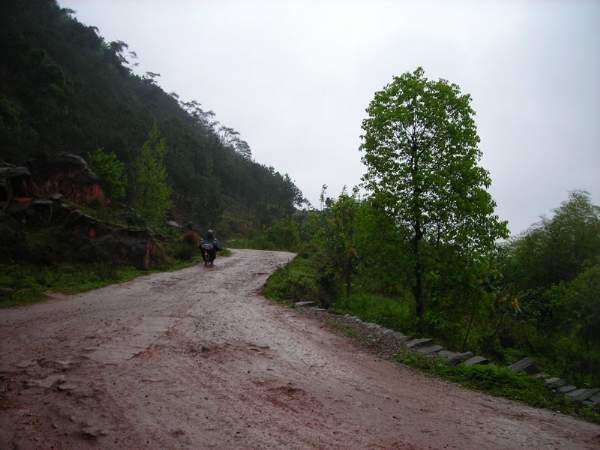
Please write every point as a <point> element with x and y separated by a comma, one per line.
<point>198,359</point>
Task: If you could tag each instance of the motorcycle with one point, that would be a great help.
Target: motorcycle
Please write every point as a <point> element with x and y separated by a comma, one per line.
<point>209,253</point>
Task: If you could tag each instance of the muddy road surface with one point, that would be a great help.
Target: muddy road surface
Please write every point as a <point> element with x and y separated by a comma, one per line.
<point>199,359</point>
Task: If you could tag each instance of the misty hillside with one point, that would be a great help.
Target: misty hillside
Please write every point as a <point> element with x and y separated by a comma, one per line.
<point>63,88</point>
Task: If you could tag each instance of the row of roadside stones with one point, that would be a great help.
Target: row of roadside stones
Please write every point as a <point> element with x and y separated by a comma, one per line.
<point>426,347</point>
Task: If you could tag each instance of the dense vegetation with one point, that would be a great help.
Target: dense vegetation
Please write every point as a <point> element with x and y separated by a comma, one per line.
<point>63,88</point>
<point>423,252</point>
<point>536,294</point>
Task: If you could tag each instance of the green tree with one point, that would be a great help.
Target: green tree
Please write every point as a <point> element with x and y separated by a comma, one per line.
<point>152,194</point>
<point>558,248</point>
<point>339,237</point>
<point>421,150</point>
<point>111,171</point>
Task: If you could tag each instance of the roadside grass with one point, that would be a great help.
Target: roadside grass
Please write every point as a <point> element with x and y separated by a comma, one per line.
<point>388,312</point>
<point>31,282</point>
<point>500,382</point>
<point>24,284</point>
<point>256,243</point>
<point>298,280</point>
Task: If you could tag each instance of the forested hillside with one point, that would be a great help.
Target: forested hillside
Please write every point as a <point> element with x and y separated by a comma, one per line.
<point>64,88</point>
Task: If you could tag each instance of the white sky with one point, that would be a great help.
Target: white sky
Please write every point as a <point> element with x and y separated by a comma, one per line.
<point>294,78</point>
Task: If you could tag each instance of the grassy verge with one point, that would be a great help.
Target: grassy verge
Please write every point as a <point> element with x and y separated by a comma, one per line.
<point>27,283</point>
<point>296,281</point>
<point>252,244</point>
<point>385,311</point>
<point>500,382</point>
<point>31,282</point>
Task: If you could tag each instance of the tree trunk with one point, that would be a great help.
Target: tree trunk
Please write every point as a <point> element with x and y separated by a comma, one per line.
<point>464,344</point>
<point>418,288</point>
<point>348,285</point>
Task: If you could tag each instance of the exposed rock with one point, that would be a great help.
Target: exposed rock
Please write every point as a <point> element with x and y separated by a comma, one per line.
<point>430,349</point>
<point>174,224</point>
<point>580,395</point>
<point>121,246</point>
<point>542,375</point>
<point>8,171</point>
<point>30,203</point>
<point>460,357</point>
<point>13,182</point>
<point>447,354</point>
<point>566,389</point>
<point>400,337</point>
<point>454,358</point>
<point>476,361</point>
<point>301,304</point>
<point>594,400</point>
<point>554,383</point>
<point>416,343</point>
<point>68,175</point>
<point>526,365</point>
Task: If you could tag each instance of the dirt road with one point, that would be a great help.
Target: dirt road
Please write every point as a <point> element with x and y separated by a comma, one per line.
<point>198,359</point>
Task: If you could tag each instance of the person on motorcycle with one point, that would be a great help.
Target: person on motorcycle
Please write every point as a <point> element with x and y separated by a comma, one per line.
<point>210,247</point>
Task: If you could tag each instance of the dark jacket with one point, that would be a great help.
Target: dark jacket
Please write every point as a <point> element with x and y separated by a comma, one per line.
<point>210,239</point>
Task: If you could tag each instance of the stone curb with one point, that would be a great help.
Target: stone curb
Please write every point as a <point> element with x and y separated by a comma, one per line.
<point>426,347</point>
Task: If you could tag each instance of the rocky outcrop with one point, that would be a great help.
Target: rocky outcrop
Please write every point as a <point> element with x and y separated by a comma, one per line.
<point>13,183</point>
<point>100,241</point>
<point>67,175</point>
<point>40,220</point>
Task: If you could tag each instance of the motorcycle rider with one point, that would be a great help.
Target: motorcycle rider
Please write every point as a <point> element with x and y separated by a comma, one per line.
<point>209,238</point>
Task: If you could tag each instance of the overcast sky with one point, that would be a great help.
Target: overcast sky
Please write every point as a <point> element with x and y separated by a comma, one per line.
<point>294,78</point>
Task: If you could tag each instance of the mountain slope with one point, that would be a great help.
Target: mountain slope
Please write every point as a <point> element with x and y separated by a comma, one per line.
<point>62,87</point>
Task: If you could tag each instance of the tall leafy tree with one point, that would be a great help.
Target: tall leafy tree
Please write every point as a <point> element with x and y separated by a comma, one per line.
<point>152,194</point>
<point>420,147</point>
